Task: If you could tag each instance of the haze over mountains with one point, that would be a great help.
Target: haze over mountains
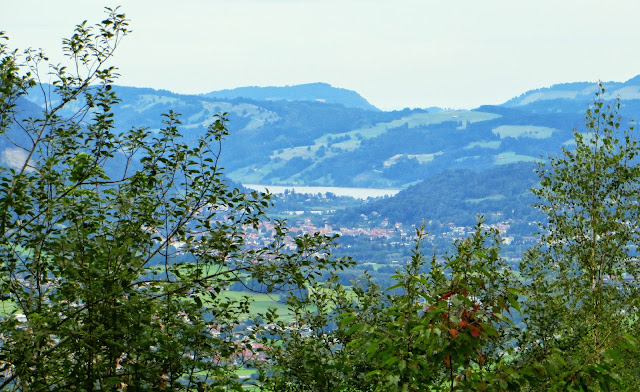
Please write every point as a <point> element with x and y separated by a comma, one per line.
<point>315,134</point>
<point>319,92</point>
<point>319,135</point>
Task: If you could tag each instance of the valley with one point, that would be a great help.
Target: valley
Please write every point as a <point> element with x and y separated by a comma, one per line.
<point>341,166</point>
<point>301,237</point>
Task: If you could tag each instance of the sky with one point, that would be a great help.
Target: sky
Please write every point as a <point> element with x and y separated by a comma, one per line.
<point>396,54</point>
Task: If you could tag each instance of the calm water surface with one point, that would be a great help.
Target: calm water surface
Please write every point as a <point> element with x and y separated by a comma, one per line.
<point>358,193</point>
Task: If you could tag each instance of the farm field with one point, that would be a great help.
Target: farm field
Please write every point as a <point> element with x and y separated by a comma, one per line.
<point>261,302</point>
<point>525,131</point>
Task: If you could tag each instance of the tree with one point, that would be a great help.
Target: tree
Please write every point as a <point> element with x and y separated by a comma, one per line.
<point>445,330</point>
<point>582,279</point>
<point>449,327</point>
<point>117,278</point>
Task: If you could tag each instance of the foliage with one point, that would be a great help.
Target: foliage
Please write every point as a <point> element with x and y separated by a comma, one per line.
<point>308,353</point>
<point>446,328</point>
<point>582,292</point>
<point>443,330</point>
<point>117,280</point>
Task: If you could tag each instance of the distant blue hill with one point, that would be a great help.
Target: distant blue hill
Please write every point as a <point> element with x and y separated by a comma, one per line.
<point>319,135</point>
<point>574,96</point>
<point>319,92</point>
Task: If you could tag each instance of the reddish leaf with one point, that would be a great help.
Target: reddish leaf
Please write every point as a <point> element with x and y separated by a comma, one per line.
<point>448,294</point>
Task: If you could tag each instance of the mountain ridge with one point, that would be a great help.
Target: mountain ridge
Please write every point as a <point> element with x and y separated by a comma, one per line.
<point>318,92</point>
<point>307,142</point>
<point>582,91</point>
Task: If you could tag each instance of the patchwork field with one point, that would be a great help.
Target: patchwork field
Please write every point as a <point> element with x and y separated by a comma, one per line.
<point>507,157</point>
<point>525,131</point>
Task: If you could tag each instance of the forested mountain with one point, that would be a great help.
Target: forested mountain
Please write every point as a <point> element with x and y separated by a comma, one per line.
<point>459,195</point>
<point>287,136</point>
<point>568,97</point>
<point>318,92</point>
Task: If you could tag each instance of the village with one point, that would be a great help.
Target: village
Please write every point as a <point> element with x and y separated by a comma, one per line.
<point>381,234</point>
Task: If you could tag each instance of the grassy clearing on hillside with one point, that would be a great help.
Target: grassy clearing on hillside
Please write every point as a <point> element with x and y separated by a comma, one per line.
<point>6,308</point>
<point>494,145</point>
<point>422,158</point>
<point>280,157</point>
<point>247,175</point>
<point>415,120</point>
<point>261,302</point>
<point>375,266</point>
<point>347,145</point>
<point>494,197</point>
<point>147,101</point>
<point>302,152</point>
<point>507,157</point>
<point>528,131</point>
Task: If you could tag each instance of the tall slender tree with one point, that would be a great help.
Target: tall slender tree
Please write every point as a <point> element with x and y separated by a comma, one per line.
<point>583,287</point>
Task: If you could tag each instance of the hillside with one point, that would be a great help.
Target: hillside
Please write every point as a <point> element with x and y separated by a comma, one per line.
<point>573,97</point>
<point>316,92</point>
<point>286,136</point>
<point>458,195</point>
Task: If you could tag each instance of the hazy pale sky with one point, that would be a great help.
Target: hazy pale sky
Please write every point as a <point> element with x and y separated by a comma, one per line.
<point>396,54</point>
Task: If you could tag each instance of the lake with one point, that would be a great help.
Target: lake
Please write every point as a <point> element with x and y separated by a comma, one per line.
<point>358,193</point>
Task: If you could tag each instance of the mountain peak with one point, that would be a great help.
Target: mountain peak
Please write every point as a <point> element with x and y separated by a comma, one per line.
<point>633,81</point>
<point>318,92</point>
<point>577,94</point>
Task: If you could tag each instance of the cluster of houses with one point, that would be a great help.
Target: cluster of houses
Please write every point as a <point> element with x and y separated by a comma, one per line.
<point>385,231</point>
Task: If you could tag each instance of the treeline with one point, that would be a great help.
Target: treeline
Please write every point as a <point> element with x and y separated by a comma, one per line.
<point>459,196</point>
